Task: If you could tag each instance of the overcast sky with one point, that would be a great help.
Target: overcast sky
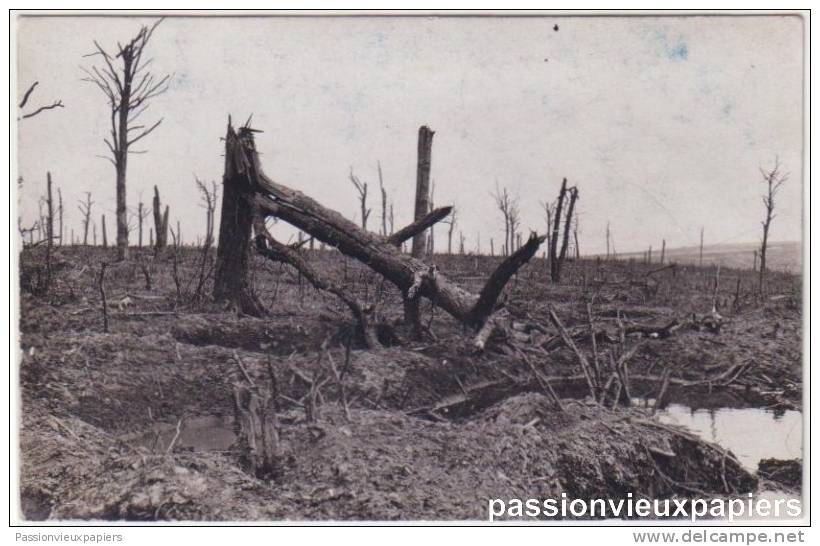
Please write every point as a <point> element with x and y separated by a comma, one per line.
<point>661,122</point>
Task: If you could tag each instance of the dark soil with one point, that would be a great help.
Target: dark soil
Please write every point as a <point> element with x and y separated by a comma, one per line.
<point>435,429</point>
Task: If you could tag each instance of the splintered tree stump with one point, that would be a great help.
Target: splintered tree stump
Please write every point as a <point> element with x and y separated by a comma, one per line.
<point>231,279</point>
<point>257,429</point>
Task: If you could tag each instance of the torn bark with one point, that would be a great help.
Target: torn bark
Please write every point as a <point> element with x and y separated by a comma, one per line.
<point>231,281</point>
<point>257,424</point>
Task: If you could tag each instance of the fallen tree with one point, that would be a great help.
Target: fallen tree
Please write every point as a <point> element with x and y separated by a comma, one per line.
<point>413,277</point>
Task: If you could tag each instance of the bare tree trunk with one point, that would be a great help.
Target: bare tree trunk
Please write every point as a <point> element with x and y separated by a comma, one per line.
<point>139,220</point>
<point>60,211</point>
<point>577,247</point>
<point>700,259</point>
<point>774,179</point>
<point>425,147</point>
<point>122,211</point>
<point>104,234</point>
<point>160,222</point>
<point>384,199</point>
<point>85,209</point>
<point>556,228</point>
<point>663,251</point>
<point>231,280</point>
<point>573,195</point>
<point>49,231</point>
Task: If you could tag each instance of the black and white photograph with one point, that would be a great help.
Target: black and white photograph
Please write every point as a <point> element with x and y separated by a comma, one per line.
<point>394,268</point>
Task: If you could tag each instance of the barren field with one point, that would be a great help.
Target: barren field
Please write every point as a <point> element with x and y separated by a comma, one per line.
<point>139,422</point>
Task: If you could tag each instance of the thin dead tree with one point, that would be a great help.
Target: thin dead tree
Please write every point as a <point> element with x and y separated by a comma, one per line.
<point>700,258</point>
<point>431,239</point>
<point>49,231</point>
<point>361,189</point>
<point>515,223</point>
<point>160,222</point>
<point>559,262</point>
<point>24,101</point>
<point>209,197</point>
<point>142,214</point>
<point>60,214</point>
<point>128,85</point>
<point>104,233</point>
<point>508,206</point>
<point>774,178</point>
<point>452,222</point>
<point>85,210</point>
<point>549,211</point>
<point>384,201</point>
<point>556,229</point>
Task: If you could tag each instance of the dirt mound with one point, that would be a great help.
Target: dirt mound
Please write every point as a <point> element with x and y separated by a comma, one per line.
<point>379,466</point>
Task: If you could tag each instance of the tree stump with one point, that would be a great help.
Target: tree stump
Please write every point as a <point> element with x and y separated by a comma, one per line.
<point>257,429</point>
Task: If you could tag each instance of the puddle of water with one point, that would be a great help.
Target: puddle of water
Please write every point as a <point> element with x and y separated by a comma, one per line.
<point>751,434</point>
<point>208,433</point>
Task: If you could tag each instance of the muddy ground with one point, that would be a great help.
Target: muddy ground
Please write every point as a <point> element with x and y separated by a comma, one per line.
<point>433,428</point>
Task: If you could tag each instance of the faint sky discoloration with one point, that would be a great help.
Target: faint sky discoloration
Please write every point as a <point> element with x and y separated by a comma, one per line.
<point>662,122</point>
